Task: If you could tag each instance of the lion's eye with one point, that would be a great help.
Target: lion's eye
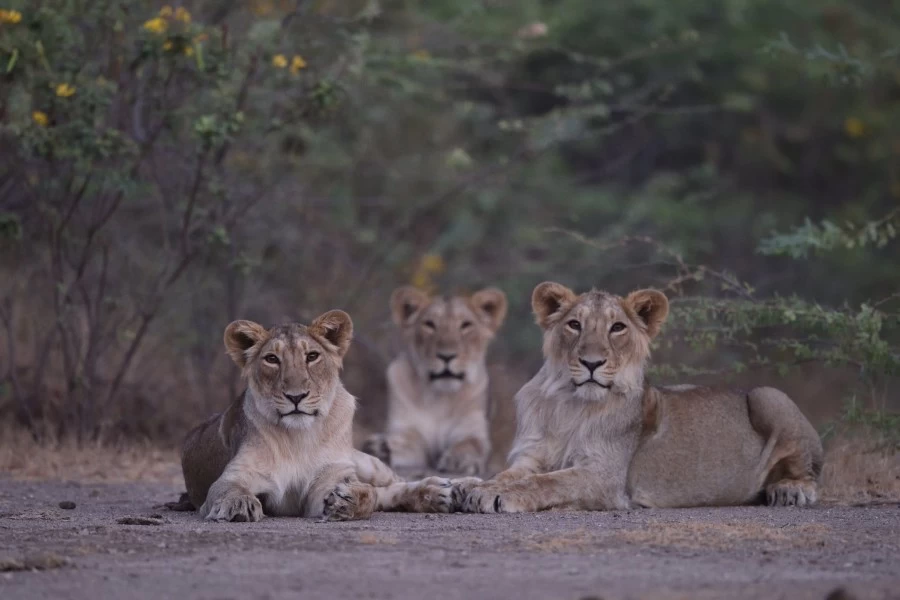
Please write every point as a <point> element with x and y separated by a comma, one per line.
<point>617,327</point>
<point>465,325</point>
<point>430,324</point>
<point>312,356</point>
<point>271,359</point>
<point>573,324</point>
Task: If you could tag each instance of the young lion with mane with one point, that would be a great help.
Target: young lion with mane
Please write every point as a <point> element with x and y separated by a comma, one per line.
<point>285,447</point>
<point>593,435</point>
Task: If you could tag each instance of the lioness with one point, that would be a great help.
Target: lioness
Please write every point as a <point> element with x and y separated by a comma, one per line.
<point>438,387</point>
<point>285,447</point>
<point>592,435</point>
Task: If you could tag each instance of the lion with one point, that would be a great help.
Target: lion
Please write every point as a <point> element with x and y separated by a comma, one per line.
<point>284,448</point>
<point>438,386</point>
<point>592,435</point>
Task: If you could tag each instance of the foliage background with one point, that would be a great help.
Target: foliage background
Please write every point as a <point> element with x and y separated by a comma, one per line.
<point>165,169</point>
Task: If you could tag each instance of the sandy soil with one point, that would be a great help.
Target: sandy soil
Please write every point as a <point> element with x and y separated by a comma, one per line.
<point>752,552</point>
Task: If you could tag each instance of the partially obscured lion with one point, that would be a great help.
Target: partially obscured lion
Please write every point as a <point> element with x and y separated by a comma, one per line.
<point>438,386</point>
<point>285,447</point>
<point>593,435</point>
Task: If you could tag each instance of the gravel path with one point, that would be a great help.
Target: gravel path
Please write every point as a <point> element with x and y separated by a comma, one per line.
<point>91,551</point>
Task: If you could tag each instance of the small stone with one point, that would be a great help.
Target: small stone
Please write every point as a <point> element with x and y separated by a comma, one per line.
<point>67,505</point>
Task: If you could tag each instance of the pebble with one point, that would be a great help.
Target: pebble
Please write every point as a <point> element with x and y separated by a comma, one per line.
<point>67,505</point>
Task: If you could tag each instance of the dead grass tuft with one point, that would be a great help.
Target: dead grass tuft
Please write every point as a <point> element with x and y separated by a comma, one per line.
<point>21,457</point>
<point>861,470</point>
<point>575,540</point>
<point>371,539</point>
<point>36,562</point>
<point>722,535</point>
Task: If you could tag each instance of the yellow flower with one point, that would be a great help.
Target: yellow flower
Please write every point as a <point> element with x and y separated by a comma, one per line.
<point>165,11</point>
<point>261,8</point>
<point>854,127</point>
<point>279,61</point>
<point>40,118</point>
<point>168,45</point>
<point>297,63</point>
<point>188,50</point>
<point>181,14</point>
<point>157,25</point>
<point>432,263</point>
<point>64,90</point>
<point>429,265</point>
<point>421,55</point>
<point>10,16</point>
<point>421,280</point>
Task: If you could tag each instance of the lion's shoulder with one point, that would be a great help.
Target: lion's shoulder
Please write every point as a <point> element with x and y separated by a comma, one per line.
<point>234,425</point>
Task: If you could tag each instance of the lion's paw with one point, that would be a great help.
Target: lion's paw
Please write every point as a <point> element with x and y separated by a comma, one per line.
<point>493,499</point>
<point>240,508</point>
<point>377,446</point>
<point>435,494</point>
<point>461,489</point>
<point>339,504</point>
<point>791,492</point>
<point>459,463</point>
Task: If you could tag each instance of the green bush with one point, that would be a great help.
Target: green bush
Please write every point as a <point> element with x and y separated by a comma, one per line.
<point>164,170</point>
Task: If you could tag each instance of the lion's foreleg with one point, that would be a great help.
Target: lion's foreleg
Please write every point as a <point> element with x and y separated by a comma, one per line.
<point>233,496</point>
<point>465,457</point>
<point>575,487</point>
<point>433,494</point>
<point>337,494</point>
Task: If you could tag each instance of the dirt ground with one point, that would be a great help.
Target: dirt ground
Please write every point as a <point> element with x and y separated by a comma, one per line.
<point>118,542</point>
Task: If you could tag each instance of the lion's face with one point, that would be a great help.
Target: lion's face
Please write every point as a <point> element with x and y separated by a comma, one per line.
<point>597,342</point>
<point>447,338</point>
<point>293,371</point>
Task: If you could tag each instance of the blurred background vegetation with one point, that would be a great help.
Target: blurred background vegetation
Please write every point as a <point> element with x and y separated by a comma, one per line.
<point>166,168</point>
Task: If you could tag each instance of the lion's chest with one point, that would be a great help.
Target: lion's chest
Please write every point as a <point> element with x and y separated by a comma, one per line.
<point>439,421</point>
<point>292,476</point>
<point>587,434</point>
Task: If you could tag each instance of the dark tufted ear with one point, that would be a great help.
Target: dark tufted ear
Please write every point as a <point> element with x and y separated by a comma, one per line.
<point>334,330</point>
<point>549,301</point>
<point>406,303</point>
<point>240,339</point>
<point>650,306</point>
<point>490,306</point>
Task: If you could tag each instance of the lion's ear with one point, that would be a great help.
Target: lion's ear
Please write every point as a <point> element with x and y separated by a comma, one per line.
<point>490,306</point>
<point>549,301</point>
<point>334,330</point>
<point>406,302</point>
<point>240,338</point>
<point>651,307</point>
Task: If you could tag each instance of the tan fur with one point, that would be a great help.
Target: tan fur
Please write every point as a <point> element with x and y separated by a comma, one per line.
<point>438,387</point>
<point>592,435</point>
<point>285,446</point>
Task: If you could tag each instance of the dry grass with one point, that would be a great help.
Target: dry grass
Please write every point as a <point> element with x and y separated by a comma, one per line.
<point>371,539</point>
<point>856,470</point>
<point>861,470</point>
<point>682,534</point>
<point>23,458</point>
<point>690,534</point>
<point>572,541</point>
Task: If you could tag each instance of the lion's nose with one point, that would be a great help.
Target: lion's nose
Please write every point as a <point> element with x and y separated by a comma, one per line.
<point>592,364</point>
<point>446,357</point>
<point>296,398</point>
